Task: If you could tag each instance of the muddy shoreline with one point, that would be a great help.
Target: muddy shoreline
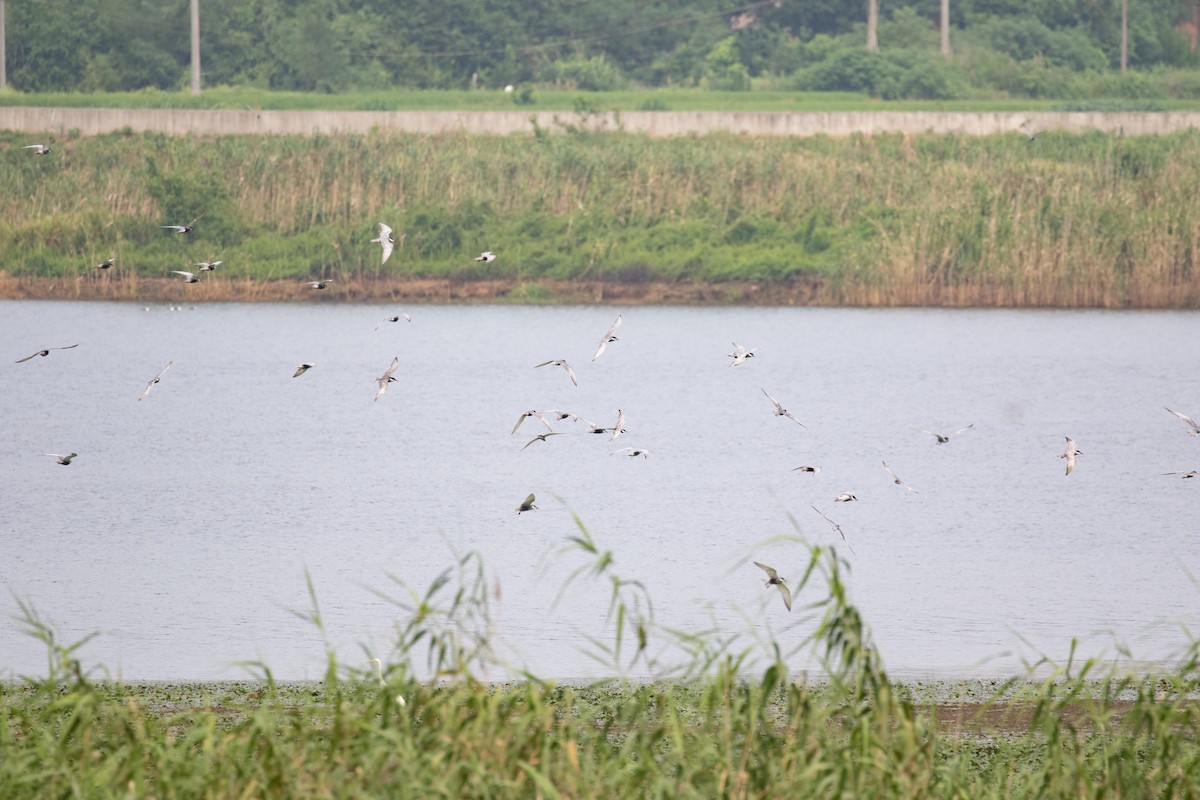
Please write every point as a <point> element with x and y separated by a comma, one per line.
<point>802,291</point>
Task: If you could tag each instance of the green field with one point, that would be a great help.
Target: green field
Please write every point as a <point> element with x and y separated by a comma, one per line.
<point>727,720</point>
<point>1064,220</point>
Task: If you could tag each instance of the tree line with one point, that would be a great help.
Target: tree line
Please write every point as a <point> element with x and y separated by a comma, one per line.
<point>897,48</point>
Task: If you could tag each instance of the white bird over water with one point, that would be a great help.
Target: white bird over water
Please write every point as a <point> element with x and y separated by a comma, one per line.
<point>535,414</point>
<point>773,579</point>
<point>188,277</point>
<point>386,378</point>
<point>64,459</point>
<point>611,336</point>
<point>44,353</point>
<point>619,428</point>
<point>38,149</point>
<point>303,368</point>
<point>1191,473</point>
<point>896,479</point>
<point>632,452</point>
<point>1070,453</point>
<point>558,362</point>
<point>780,411</point>
<point>806,468</point>
<point>154,380</point>
<point>486,256</point>
<point>740,354</point>
<point>385,240</point>
<point>1193,428</point>
<point>845,497</point>
<point>942,438</point>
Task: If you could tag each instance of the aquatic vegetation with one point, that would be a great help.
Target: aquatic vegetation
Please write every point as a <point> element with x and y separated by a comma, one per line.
<point>1063,220</point>
<point>724,720</point>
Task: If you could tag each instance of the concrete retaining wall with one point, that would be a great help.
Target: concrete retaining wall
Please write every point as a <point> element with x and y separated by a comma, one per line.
<point>92,121</point>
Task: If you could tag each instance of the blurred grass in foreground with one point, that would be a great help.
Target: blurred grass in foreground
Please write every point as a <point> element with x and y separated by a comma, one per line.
<point>723,721</point>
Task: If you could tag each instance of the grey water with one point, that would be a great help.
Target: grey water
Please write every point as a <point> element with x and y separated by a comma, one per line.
<point>184,532</point>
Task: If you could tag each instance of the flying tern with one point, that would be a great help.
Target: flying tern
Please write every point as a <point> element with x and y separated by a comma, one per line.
<point>1070,453</point>
<point>527,504</point>
<point>836,527</point>
<point>740,354</point>
<point>386,378</point>
<point>780,411</point>
<point>38,149</point>
<point>896,479</point>
<point>558,362</point>
<point>845,497</point>
<point>773,579</point>
<point>303,368</point>
<point>188,277</point>
<point>386,241</point>
<point>65,460</point>
<point>182,228</point>
<point>154,380</point>
<point>611,336</point>
<point>396,318</point>
<point>1193,428</point>
<point>44,353</point>
<point>942,438</point>
<point>486,256</point>
<point>536,414</point>
<point>541,437</point>
<point>632,452</point>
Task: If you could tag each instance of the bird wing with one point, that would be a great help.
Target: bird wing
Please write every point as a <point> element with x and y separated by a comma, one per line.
<point>964,429</point>
<point>387,250</point>
<point>890,472</point>
<point>26,358</point>
<point>570,373</point>
<point>1191,422</point>
<point>769,570</point>
<point>600,349</point>
<point>391,370</point>
<point>778,406</point>
<point>787,594</point>
<point>188,275</point>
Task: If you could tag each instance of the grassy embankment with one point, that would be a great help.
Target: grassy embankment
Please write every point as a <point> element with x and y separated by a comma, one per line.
<point>719,723</point>
<point>549,99</point>
<point>1091,220</point>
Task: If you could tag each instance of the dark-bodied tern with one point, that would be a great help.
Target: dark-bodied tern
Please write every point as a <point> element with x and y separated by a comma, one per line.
<point>106,263</point>
<point>942,438</point>
<point>44,353</point>
<point>527,504</point>
<point>773,579</point>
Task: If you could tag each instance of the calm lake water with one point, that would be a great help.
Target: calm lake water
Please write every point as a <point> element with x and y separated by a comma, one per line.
<point>182,533</point>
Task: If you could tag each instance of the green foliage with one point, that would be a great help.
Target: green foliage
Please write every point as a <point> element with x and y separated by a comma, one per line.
<point>897,218</point>
<point>723,718</point>
<point>333,46</point>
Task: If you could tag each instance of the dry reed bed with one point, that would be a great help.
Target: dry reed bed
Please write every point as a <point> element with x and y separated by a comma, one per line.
<point>1092,220</point>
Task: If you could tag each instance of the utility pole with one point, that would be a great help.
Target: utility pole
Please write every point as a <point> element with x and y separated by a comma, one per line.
<point>3,54</point>
<point>195,47</point>
<point>1124,35</point>
<point>946,29</point>
<point>872,25</point>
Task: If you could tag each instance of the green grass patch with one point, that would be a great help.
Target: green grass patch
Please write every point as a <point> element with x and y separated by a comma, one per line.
<point>724,719</point>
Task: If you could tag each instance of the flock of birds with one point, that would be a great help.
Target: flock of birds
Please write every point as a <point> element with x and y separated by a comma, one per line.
<point>739,356</point>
